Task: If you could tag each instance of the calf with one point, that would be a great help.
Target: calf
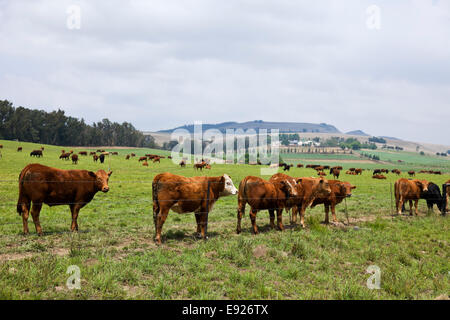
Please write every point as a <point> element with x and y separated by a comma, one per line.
<point>409,190</point>
<point>19,149</point>
<point>264,195</point>
<point>74,159</point>
<point>339,191</point>
<point>40,184</point>
<point>308,190</point>
<point>183,195</point>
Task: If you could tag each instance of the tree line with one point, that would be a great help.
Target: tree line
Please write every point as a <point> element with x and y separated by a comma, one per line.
<point>55,128</point>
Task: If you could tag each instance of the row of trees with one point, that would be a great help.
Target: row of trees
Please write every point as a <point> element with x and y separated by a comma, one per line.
<point>56,128</point>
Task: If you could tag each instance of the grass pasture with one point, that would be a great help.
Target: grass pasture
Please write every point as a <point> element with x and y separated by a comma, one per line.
<point>118,258</point>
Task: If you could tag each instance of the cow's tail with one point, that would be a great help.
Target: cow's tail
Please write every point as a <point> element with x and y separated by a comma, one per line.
<point>156,207</point>
<point>23,200</point>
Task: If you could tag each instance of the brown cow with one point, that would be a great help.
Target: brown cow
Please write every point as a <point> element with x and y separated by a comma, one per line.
<point>208,166</point>
<point>264,195</point>
<point>1,146</point>
<point>408,190</point>
<point>335,172</point>
<point>92,153</point>
<point>19,149</point>
<point>182,164</point>
<point>448,193</point>
<point>183,195</point>
<point>95,157</point>
<point>396,171</point>
<point>145,163</point>
<point>142,159</point>
<point>74,159</point>
<point>127,157</point>
<point>199,165</point>
<point>339,191</point>
<point>65,156</point>
<point>82,153</point>
<point>40,184</point>
<point>321,174</point>
<point>299,165</point>
<point>411,173</point>
<point>133,155</point>
<point>157,159</point>
<point>378,176</point>
<point>358,171</point>
<point>309,189</point>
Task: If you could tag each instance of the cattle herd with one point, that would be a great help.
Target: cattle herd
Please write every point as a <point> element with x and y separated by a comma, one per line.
<point>39,184</point>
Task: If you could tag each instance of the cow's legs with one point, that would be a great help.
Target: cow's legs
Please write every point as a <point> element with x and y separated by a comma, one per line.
<point>160,219</point>
<point>302,214</point>
<point>400,205</point>
<point>35,210</point>
<point>280,219</point>
<point>74,209</point>
<point>411,208</point>
<point>25,214</point>
<point>272,218</point>
<point>253,213</point>
<point>203,216</point>
<point>333,212</point>
<point>240,213</point>
<point>416,204</point>
<point>294,215</point>
<point>327,210</point>
<point>199,221</point>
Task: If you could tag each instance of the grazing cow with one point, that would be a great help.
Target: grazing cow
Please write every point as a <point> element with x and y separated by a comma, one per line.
<point>299,165</point>
<point>133,155</point>
<point>409,190</point>
<point>437,172</point>
<point>182,164</point>
<point>19,149</point>
<point>321,174</point>
<point>199,166</point>
<point>183,195</point>
<point>384,171</point>
<point>145,163</point>
<point>352,169</point>
<point>264,195</point>
<point>411,173</point>
<point>92,153</point>
<point>157,159</point>
<point>335,172</point>
<point>433,196</point>
<point>339,191</point>
<point>308,189</point>
<point>352,173</point>
<point>36,153</point>
<point>208,166</point>
<point>378,176</point>
<point>102,158</point>
<point>326,167</point>
<point>40,184</point>
<point>65,156</point>
<point>319,168</point>
<point>377,171</point>
<point>169,157</point>
<point>115,153</point>
<point>74,159</point>
<point>142,159</point>
<point>1,146</point>
<point>286,167</point>
<point>95,157</point>
<point>396,171</point>
<point>127,157</point>
<point>82,153</point>
<point>358,171</point>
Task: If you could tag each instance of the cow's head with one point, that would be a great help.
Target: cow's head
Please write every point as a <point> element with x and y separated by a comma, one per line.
<point>422,184</point>
<point>346,189</point>
<point>322,187</point>
<point>289,188</point>
<point>228,186</point>
<point>101,180</point>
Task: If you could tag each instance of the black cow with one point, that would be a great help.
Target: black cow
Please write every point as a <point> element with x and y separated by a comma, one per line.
<point>102,158</point>
<point>433,197</point>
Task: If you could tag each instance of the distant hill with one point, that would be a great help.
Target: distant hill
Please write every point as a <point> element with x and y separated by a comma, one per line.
<point>358,133</point>
<point>259,124</point>
<point>392,138</point>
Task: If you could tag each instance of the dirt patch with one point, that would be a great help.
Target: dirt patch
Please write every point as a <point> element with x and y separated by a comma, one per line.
<point>260,251</point>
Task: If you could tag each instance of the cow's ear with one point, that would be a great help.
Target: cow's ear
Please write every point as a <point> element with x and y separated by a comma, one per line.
<point>92,174</point>
<point>109,173</point>
<point>299,180</point>
<point>353,187</point>
<point>321,181</point>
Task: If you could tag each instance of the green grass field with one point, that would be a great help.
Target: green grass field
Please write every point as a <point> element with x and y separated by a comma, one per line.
<point>118,258</point>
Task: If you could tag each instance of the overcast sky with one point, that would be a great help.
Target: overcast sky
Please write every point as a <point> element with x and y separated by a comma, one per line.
<point>161,64</point>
